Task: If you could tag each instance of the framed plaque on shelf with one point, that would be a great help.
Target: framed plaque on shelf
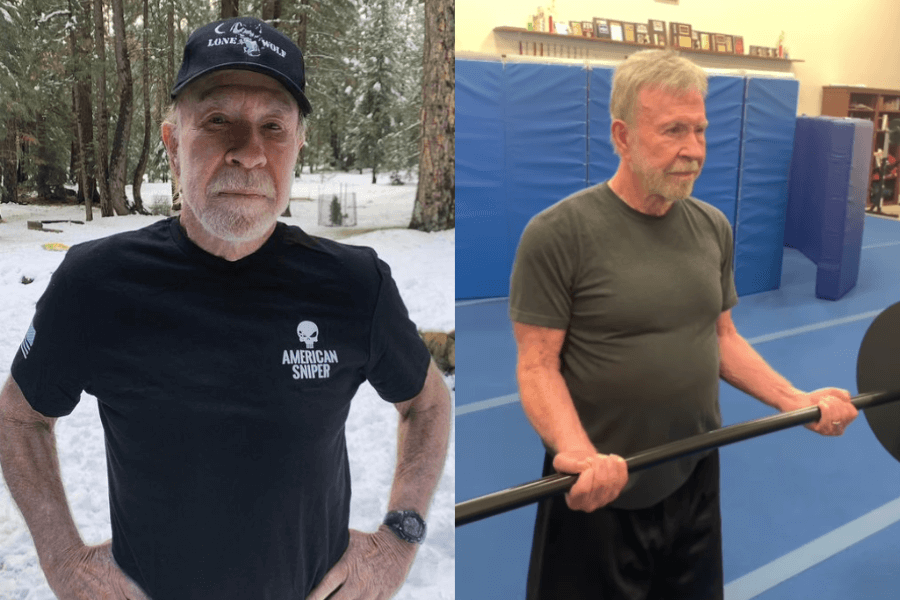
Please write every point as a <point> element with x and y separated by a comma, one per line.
<point>729,44</point>
<point>616,31</point>
<point>628,28</point>
<point>575,28</point>
<point>658,33</point>
<point>587,29</point>
<point>704,41</point>
<point>601,29</point>
<point>719,45</point>
<point>695,40</point>
<point>681,35</point>
<point>642,33</point>
<point>738,44</point>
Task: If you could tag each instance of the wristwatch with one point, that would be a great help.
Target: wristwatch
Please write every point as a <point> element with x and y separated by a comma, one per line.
<point>408,525</point>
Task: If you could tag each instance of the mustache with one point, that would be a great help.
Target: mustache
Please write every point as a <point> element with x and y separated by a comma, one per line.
<point>691,166</point>
<point>245,182</point>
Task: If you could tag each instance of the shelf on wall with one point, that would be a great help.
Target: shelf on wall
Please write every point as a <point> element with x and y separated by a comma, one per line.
<point>866,103</point>
<point>611,44</point>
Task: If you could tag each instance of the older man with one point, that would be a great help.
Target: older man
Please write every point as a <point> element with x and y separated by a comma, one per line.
<point>224,349</point>
<point>621,299</point>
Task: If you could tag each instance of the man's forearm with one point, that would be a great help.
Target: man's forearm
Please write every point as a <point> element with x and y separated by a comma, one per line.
<point>548,405</point>
<point>423,433</point>
<point>31,470</point>
<point>743,367</point>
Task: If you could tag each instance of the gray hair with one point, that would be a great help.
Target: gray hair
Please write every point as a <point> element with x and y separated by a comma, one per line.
<point>652,69</point>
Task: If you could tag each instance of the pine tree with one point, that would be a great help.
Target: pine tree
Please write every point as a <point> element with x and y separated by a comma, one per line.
<point>332,49</point>
<point>35,99</point>
<point>376,83</point>
<point>402,143</point>
<point>11,97</point>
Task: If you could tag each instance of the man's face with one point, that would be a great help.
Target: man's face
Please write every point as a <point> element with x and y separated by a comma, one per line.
<point>668,142</point>
<point>235,149</point>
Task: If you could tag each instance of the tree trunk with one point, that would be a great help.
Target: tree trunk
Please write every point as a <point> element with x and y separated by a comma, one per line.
<point>170,75</point>
<point>170,46</point>
<point>9,155</point>
<point>303,29</point>
<point>271,12</point>
<point>145,147</point>
<point>84,137</point>
<point>101,153</point>
<point>42,175</point>
<point>435,205</point>
<point>85,180</point>
<point>119,156</point>
<point>229,9</point>
<point>302,34</point>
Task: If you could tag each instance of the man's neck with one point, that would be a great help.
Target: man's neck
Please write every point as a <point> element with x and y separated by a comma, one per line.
<point>626,186</point>
<point>230,251</point>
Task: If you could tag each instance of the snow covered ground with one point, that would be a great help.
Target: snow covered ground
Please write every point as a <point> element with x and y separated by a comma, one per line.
<point>422,265</point>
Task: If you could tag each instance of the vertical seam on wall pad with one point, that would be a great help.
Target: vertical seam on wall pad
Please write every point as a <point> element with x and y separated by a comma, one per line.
<point>505,199</point>
<point>740,177</point>
<point>587,126</point>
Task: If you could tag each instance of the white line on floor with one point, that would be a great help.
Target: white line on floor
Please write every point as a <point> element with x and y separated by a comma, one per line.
<point>814,327</point>
<point>485,404</point>
<point>820,549</point>
<point>885,245</point>
<point>476,301</point>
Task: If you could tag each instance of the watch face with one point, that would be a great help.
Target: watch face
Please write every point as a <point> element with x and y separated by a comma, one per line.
<point>412,526</point>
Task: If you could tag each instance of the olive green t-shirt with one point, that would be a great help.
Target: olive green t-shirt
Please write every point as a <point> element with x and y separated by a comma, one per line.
<point>638,297</point>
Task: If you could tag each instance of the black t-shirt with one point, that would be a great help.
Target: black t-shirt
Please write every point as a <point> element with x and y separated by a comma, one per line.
<point>223,389</point>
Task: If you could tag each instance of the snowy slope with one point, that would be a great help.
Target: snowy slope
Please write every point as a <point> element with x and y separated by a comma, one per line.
<point>422,265</point>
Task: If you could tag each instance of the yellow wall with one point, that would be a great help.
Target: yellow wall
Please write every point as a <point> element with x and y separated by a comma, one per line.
<point>843,42</point>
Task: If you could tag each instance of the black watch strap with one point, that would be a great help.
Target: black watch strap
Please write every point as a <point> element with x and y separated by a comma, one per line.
<point>408,525</point>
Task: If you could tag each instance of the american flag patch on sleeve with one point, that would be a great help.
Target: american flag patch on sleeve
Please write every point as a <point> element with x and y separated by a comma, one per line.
<point>29,340</point>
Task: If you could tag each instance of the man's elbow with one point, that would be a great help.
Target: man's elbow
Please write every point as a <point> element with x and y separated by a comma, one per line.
<point>434,397</point>
<point>16,413</point>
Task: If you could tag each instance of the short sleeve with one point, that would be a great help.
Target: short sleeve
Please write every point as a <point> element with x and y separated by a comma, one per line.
<point>541,282</point>
<point>398,359</point>
<point>50,365</point>
<point>729,291</point>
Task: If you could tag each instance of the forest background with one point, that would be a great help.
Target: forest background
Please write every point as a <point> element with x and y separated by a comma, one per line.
<point>84,85</point>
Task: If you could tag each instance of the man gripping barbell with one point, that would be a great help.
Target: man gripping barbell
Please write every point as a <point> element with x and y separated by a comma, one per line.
<point>621,299</point>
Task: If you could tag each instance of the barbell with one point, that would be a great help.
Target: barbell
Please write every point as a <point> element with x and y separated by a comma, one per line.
<point>876,379</point>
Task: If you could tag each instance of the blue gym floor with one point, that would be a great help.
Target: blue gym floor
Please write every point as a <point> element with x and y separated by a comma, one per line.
<point>804,517</point>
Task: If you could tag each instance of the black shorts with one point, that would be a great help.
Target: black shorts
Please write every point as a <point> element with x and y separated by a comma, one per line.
<point>669,551</point>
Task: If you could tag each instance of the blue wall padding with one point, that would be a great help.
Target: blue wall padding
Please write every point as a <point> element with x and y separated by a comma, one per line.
<point>602,159</point>
<point>482,269</point>
<point>528,135</point>
<point>826,209</point>
<point>546,141</point>
<point>718,182</point>
<point>803,225</point>
<point>844,221</point>
<point>767,141</point>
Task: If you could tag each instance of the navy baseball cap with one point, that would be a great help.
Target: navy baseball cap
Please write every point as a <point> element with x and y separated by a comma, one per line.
<point>244,43</point>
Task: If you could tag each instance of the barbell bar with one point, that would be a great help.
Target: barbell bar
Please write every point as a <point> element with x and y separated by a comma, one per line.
<point>876,376</point>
